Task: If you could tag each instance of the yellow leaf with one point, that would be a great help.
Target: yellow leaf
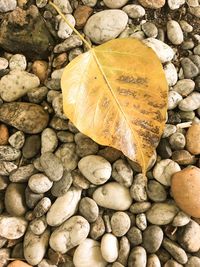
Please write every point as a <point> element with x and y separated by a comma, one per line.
<point>116,94</point>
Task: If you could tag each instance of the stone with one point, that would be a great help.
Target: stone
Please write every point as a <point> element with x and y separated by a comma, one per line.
<point>193,139</point>
<point>7,5</point>
<point>64,5</point>
<point>153,261</point>
<point>109,247</point>
<point>170,74</point>
<point>35,246</point>
<point>173,99</point>
<point>90,3</point>
<point>134,11</point>
<point>9,153</point>
<point>98,27</point>
<point>16,84</point>
<point>85,146</point>
<point>17,224</point>
<point>40,69</point>
<point>18,263</point>
<point>57,102</point>
<point>138,188</point>
<point>177,141</point>
<point>188,236</point>
<point>137,257</point>
<point>42,207</point>
<point>176,251</point>
<point>61,186</point>
<point>156,191</point>
<point>161,213</point>
<point>197,50</point>
<point>3,63</point>
<point>153,4</point>
<point>95,168</point>
<point>70,234</point>
<point>15,199</point>
<point>4,134</point>
<point>17,62</point>
<point>68,156</point>
<point>89,253</point>
<point>174,32</point>
<point>89,209</point>
<point>72,42</point>
<point>193,262</point>
<point>124,249</point>
<point>64,207</point>
<point>195,11</point>
<point>49,140</point>
<point>175,4</point>
<point>186,27</point>
<point>26,37</point>
<point>41,3</point>
<point>31,146</point>
<point>97,228</point>
<point>168,130</point>
<point>113,196</point>
<point>190,70</point>
<point>134,235</point>
<point>141,221</point>
<point>52,166</point>
<point>64,31</point>
<point>38,225</point>
<point>37,95</point>
<point>81,15</point>
<point>26,117</point>
<point>39,183</point>
<point>140,207</point>
<point>172,263</point>
<point>191,102</point>
<point>122,172</point>
<point>17,140</point>
<point>164,52</point>
<point>152,238</point>
<point>184,87</point>
<point>32,198</point>
<point>120,223</point>
<point>164,170</point>
<point>150,29</point>
<point>185,187</point>
<point>183,157</point>
<point>181,219</point>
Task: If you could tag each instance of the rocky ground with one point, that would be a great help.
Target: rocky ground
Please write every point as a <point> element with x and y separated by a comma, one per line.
<point>67,201</point>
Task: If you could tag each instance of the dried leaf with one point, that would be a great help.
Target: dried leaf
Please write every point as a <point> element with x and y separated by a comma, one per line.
<point>116,94</point>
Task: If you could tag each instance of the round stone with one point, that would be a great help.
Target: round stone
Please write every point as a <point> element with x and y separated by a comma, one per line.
<point>39,183</point>
<point>174,32</point>
<point>88,209</point>
<point>120,223</point>
<point>152,238</point>
<point>115,3</point>
<point>153,4</point>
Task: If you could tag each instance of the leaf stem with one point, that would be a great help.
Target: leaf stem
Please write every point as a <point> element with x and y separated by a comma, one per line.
<point>69,24</point>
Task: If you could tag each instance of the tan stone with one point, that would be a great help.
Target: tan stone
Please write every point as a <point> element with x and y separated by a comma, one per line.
<point>193,139</point>
<point>4,134</point>
<point>153,4</point>
<point>40,69</point>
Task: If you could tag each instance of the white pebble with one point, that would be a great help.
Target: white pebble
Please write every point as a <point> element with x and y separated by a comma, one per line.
<point>64,30</point>
<point>134,11</point>
<point>39,183</point>
<point>115,3</point>
<point>175,4</point>
<point>109,247</point>
<point>173,99</point>
<point>17,62</point>
<point>174,32</point>
<point>3,63</point>
<point>170,74</point>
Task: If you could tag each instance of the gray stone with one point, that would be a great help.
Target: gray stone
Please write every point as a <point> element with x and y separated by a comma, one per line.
<point>141,221</point>
<point>32,198</point>
<point>37,95</point>
<point>61,187</point>
<point>7,5</point>
<point>191,102</point>
<point>138,188</point>
<point>184,87</point>
<point>31,146</point>
<point>22,174</point>
<point>152,238</point>
<point>72,42</point>
<point>177,141</point>
<point>17,140</point>
<point>114,3</point>
<point>193,262</point>
<point>122,172</point>
<point>134,236</point>
<point>18,62</point>
<point>137,257</point>
<point>49,140</point>
<point>186,27</point>
<point>38,225</point>
<point>181,219</point>
<point>120,223</point>
<point>190,70</point>
<point>85,145</point>
<point>173,99</point>
<point>156,191</point>
<point>7,167</point>
<point>64,5</point>
<point>150,29</point>
<point>175,4</point>
<point>170,74</point>
<point>42,207</point>
<point>88,209</point>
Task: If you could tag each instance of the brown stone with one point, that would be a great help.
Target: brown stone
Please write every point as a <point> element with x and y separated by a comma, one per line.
<point>183,157</point>
<point>60,61</point>
<point>153,4</point>
<point>193,139</point>
<point>81,15</point>
<point>18,263</point>
<point>4,134</point>
<point>40,69</point>
<point>185,187</point>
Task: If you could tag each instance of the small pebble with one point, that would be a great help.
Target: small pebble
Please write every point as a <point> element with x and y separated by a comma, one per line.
<point>81,15</point>
<point>150,29</point>
<point>17,224</point>
<point>174,32</point>
<point>17,62</point>
<point>3,63</point>
<point>9,153</point>
<point>122,173</point>
<point>193,139</point>
<point>89,209</point>
<point>120,223</point>
<point>175,4</point>
<point>134,235</point>
<point>17,140</point>
<point>137,257</point>
<point>190,70</point>
<point>109,247</point>
<point>177,141</point>
<point>193,262</point>
<point>152,238</point>
<point>61,187</point>
<point>173,99</point>
<point>42,207</point>
<point>138,188</point>
<point>181,219</point>
<point>39,183</point>
<point>4,134</point>
<point>64,31</point>
<point>115,4</point>
<point>134,11</point>
<point>186,27</point>
<point>38,225</point>
<point>184,87</point>
<point>156,191</point>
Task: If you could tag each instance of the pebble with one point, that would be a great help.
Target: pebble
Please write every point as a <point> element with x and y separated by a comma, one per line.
<point>174,32</point>
<point>134,235</point>
<point>193,139</point>
<point>95,168</point>
<point>188,237</point>
<point>122,173</point>
<point>68,156</point>
<point>26,117</point>
<point>89,209</point>
<point>120,223</point>
<point>71,42</point>
<point>115,4</point>
<point>64,5</point>
<point>89,253</point>
<point>85,146</point>
<point>35,246</point>
<point>152,238</point>
<point>16,84</point>
<point>181,219</point>
<point>177,252</point>
<point>109,247</point>
<point>97,229</point>
<point>64,31</point>
<point>153,4</point>
<point>156,191</point>
<point>183,157</point>
<point>134,11</point>
<point>4,256</point>
<point>168,130</point>
<point>195,11</point>
<point>4,134</point>
<point>18,263</point>
<point>7,167</point>
<point>40,69</point>
<point>61,187</point>
<point>191,102</point>
<point>161,213</point>
<point>41,3</point>
<point>90,3</point>
<point>197,50</point>
<point>3,63</point>
<point>38,225</point>
<point>137,257</point>
<point>184,87</point>
<point>153,261</point>
<point>17,62</point>
<point>7,5</point>
<point>150,29</point>
<point>42,207</point>
<point>65,136</point>
<point>172,263</point>
<point>70,234</point>
<point>193,262</point>
<point>186,27</point>
<point>138,188</point>
<point>98,27</point>
<point>52,166</point>
<point>175,4</point>
<point>124,249</point>
<point>170,74</point>
<point>37,95</point>
<point>57,102</point>
<point>17,140</point>
<point>141,221</point>
<point>64,207</point>
<point>81,15</point>
<point>113,196</point>
<point>31,146</point>
<point>190,70</point>
<point>17,224</point>
<point>15,199</point>
<point>140,207</point>
<point>39,183</point>
<point>164,170</point>
<point>49,140</point>
<point>9,153</point>
<point>177,141</point>
<point>164,52</point>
